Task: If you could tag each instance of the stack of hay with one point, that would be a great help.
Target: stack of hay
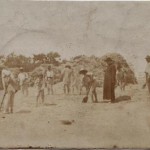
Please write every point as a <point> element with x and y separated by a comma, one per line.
<point>97,66</point>
<point>131,79</point>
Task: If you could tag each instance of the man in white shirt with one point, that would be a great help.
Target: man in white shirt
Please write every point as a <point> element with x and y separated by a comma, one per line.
<point>147,72</point>
<point>49,77</point>
<point>5,73</point>
<point>23,81</point>
<point>10,88</point>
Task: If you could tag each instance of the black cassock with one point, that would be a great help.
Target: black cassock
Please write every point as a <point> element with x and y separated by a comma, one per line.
<point>109,82</point>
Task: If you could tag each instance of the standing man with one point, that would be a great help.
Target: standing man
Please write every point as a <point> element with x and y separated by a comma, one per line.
<point>49,77</point>
<point>23,81</point>
<point>40,84</point>
<point>10,87</point>
<point>5,72</point>
<point>147,72</point>
<point>75,81</point>
<point>67,73</point>
<point>109,81</point>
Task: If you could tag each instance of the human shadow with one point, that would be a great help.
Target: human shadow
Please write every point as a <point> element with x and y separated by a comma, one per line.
<point>23,111</point>
<point>123,98</point>
<point>104,101</point>
<point>52,104</point>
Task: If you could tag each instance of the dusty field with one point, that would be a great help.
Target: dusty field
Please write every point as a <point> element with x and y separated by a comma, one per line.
<point>123,124</point>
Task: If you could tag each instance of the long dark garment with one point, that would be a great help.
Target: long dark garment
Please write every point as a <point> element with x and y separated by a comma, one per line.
<point>109,83</point>
<point>148,84</point>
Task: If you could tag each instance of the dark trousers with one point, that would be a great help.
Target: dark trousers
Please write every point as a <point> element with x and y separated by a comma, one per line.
<point>148,84</point>
<point>113,94</point>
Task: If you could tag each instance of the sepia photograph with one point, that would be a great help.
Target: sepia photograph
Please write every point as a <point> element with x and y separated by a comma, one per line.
<point>74,74</point>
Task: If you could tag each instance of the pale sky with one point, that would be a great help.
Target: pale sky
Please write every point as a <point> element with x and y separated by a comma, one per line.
<point>75,28</point>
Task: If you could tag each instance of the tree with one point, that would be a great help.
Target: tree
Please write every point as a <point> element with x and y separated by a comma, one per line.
<point>51,58</point>
<point>39,58</point>
<point>17,61</point>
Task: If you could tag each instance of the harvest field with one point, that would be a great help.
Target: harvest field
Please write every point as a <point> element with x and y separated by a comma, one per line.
<point>63,121</point>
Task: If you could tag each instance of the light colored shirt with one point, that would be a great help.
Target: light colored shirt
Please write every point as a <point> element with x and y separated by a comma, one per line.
<point>5,77</point>
<point>22,77</point>
<point>8,81</point>
<point>49,74</point>
<point>147,70</point>
<point>5,73</point>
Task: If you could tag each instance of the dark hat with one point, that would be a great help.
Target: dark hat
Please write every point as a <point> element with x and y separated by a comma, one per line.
<point>108,59</point>
<point>83,71</point>
<point>68,66</point>
<point>147,57</point>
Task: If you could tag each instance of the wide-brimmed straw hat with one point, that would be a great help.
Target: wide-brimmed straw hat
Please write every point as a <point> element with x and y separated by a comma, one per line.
<point>68,66</point>
<point>83,71</point>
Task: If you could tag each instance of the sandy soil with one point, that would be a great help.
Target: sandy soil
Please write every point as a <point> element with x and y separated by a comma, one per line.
<point>124,124</point>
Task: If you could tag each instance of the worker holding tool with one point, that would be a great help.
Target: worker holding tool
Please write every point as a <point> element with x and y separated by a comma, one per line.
<point>90,83</point>
<point>10,88</point>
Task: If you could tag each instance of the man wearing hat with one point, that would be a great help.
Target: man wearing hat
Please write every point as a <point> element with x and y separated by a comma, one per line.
<point>40,84</point>
<point>147,72</point>
<point>5,73</point>
<point>85,79</point>
<point>109,81</point>
<point>90,83</point>
<point>49,77</point>
<point>75,81</point>
<point>23,81</point>
<point>10,88</point>
<point>66,75</point>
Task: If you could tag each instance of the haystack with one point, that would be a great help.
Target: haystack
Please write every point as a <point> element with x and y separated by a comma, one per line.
<point>97,65</point>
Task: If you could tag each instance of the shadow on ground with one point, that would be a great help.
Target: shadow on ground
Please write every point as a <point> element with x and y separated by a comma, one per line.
<point>119,99</point>
<point>123,98</point>
<point>47,104</point>
<point>23,111</point>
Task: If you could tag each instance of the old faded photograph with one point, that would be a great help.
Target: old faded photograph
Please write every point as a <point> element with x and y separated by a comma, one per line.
<point>74,74</point>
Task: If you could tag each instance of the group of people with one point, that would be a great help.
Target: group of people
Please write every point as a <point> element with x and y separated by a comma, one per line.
<point>114,75</point>
<point>44,79</point>
<point>117,75</point>
<point>13,82</point>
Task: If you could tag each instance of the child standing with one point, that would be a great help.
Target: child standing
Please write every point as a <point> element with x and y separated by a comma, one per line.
<point>49,77</point>
<point>39,83</point>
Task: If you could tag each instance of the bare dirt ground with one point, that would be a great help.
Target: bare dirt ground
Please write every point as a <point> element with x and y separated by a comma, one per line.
<point>124,124</point>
